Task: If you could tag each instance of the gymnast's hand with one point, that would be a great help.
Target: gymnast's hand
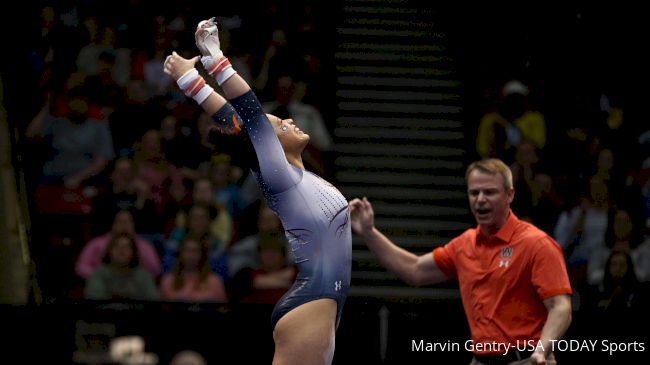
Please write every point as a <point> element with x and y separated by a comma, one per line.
<point>176,66</point>
<point>207,38</point>
<point>362,215</point>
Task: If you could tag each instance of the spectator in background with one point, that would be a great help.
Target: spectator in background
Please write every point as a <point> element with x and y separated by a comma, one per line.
<point>202,147</point>
<point>157,82</point>
<point>198,225</point>
<point>511,123</point>
<point>120,276</point>
<point>43,46</point>
<point>124,192</point>
<point>581,229</point>
<point>642,262</point>
<point>617,132</point>
<point>545,204</point>
<point>191,279</point>
<point>270,279</point>
<point>103,42</point>
<point>306,117</point>
<point>244,251</point>
<point>53,47</point>
<point>618,289</point>
<point>93,252</point>
<point>127,192</point>
<point>619,303</point>
<point>281,58</point>
<point>620,179</point>
<point>82,145</point>
<point>221,225</point>
<point>103,90</point>
<point>244,254</point>
<point>173,144</point>
<point>604,168</point>
<point>623,234</point>
<point>226,191</point>
<point>644,183</point>
<point>524,170</point>
<point>137,105</point>
<point>163,181</point>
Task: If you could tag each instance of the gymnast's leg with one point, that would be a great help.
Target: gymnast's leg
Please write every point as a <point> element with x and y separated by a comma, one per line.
<point>306,334</point>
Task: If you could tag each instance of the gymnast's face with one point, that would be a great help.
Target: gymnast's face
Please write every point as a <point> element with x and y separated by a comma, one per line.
<point>291,137</point>
<point>489,200</point>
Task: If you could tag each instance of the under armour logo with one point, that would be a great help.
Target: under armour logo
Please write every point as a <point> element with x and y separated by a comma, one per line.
<point>337,285</point>
<point>506,252</point>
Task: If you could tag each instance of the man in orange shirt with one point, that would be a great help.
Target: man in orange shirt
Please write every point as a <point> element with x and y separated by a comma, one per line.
<point>513,280</point>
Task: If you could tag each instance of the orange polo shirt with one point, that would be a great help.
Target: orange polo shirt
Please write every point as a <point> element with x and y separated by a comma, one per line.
<point>504,280</point>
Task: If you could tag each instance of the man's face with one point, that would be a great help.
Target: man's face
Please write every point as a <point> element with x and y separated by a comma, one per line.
<point>489,200</point>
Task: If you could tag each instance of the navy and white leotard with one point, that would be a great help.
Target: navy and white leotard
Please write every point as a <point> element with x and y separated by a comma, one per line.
<point>313,212</point>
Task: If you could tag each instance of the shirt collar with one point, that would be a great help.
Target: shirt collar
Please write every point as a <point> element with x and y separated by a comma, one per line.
<point>504,234</point>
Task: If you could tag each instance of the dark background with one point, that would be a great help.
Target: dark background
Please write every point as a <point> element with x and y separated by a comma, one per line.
<point>567,53</point>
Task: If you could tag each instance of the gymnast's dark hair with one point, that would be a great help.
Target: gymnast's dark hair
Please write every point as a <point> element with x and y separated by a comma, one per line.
<point>241,143</point>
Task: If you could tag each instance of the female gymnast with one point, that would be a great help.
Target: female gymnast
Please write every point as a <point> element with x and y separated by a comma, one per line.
<point>313,212</point>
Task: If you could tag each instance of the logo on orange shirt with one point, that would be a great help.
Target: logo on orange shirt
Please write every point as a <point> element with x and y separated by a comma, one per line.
<point>506,253</point>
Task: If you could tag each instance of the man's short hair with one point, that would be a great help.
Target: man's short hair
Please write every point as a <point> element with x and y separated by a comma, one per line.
<point>492,166</point>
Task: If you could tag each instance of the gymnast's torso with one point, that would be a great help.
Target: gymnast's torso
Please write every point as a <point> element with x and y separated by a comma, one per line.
<point>313,212</point>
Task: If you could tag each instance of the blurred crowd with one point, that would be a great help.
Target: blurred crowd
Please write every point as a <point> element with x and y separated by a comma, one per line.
<point>133,196</point>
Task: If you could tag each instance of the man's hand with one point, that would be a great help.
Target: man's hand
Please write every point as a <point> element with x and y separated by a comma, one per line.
<point>207,38</point>
<point>362,216</point>
<point>538,358</point>
<point>176,66</point>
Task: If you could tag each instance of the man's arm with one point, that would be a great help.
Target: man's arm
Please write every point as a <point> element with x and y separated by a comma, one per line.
<point>97,165</point>
<point>413,269</point>
<point>557,322</point>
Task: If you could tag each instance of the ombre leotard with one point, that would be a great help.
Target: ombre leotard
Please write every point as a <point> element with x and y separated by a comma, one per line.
<point>313,212</point>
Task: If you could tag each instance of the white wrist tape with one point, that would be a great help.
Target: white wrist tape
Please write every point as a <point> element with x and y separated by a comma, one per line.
<point>219,68</point>
<point>194,86</point>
